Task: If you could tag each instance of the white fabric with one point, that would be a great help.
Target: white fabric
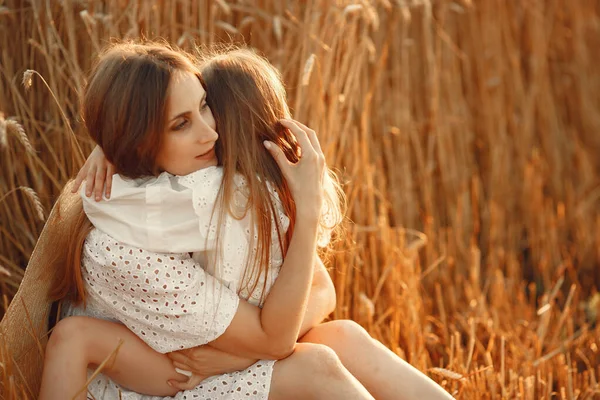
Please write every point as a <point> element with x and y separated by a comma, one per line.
<point>181,212</point>
<point>171,304</point>
<point>152,213</point>
<point>167,299</point>
<point>172,213</point>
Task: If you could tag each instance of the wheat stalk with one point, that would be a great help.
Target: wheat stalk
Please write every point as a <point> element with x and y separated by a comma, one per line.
<point>471,128</point>
<point>33,197</point>
<point>17,129</point>
<point>27,82</point>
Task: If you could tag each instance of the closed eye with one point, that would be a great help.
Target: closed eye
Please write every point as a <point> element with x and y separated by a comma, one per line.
<point>180,125</point>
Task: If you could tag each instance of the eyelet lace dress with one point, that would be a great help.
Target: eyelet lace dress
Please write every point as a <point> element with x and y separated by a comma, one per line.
<point>167,298</point>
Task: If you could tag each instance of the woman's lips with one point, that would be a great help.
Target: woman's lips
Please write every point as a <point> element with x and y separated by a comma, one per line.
<point>206,155</point>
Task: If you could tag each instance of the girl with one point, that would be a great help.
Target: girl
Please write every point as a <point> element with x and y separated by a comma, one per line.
<point>167,299</point>
<point>375,366</point>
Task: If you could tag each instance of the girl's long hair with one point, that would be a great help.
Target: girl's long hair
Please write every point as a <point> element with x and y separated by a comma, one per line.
<point>248,99</point>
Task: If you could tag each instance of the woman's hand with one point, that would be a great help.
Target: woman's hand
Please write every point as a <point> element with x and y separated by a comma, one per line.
<point>96,172</point>
<point>205,361</point>
<point>305,178</point>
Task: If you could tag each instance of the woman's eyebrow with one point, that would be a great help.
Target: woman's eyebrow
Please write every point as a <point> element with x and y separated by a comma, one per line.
<point>179,115</point>
<point>202,100</point>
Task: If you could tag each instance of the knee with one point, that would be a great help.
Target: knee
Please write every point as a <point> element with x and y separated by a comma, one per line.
<point>350,332</point>
<point>319,360</point>
<point>68,332</point>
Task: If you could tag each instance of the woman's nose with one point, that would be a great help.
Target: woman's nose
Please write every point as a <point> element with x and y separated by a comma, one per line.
<point>206,133</point>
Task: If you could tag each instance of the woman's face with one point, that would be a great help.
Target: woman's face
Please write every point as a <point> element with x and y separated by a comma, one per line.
<point>189,138</point>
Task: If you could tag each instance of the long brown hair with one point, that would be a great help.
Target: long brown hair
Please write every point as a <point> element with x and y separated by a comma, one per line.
<point>248,99</point>
<point>128,79</point>
<point>125,101</point>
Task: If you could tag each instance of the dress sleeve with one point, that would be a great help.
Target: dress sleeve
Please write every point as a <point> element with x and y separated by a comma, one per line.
<point>167,300</point>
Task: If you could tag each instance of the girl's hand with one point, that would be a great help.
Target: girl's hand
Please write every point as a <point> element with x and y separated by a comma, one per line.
<point>96,172</point>
<point>205,361</point>
<point>305,178</point>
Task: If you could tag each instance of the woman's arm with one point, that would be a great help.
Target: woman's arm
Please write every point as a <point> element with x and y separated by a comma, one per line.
<point>80,342</point>
<point>208,361</point>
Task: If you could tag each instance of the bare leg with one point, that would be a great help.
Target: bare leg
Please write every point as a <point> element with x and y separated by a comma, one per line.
<point>383,373</point>
<point>314,372</point>
<point>79,342</point>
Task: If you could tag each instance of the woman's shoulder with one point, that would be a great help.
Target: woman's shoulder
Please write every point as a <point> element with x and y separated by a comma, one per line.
<point>203,178</point>
<point>153,213</point>
<point>127,194</point>
<point>123,182</point>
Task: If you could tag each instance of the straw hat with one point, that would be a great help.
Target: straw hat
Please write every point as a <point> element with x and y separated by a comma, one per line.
<point>23,330</point>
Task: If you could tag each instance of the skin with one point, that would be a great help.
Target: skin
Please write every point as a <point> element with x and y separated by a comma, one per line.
<point>188,141</point>
<point>192,133</point>
<point>377,368</point>
<point>188,146</point>
<point>254,333</point>
<point>357,358</point>
<point>190,137</point>
<point>89,341</point>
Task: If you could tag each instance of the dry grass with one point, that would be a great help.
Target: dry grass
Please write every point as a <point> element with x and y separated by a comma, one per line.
<point>473,122</point>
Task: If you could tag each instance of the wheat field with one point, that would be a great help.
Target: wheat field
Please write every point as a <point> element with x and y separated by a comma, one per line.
<point>467,134</point>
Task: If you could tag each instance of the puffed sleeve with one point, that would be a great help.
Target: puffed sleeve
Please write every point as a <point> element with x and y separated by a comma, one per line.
<point>167,300</point>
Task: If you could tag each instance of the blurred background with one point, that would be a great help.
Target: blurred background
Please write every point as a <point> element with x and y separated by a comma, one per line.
<point>467,134</point>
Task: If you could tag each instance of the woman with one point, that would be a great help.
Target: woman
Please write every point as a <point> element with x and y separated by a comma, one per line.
<point>175,132</point>
<point>377,380</point>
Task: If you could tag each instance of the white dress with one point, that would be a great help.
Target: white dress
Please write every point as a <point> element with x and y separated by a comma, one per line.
<point>168,299</point>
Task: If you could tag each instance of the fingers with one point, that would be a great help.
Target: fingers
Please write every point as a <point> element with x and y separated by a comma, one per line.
<point>312,136</point>
<point>278,155</point>
<point>79,178</point>
<point>95,172</point>
<point>99,182</point>
<point>183,367</point>
<point>110,171</point>
<point>89,181</point>
<point>301,136</point>
<point>181,385</point>
<point>177,357</point>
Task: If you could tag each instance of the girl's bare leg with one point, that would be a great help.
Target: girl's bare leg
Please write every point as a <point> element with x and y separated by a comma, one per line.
<point>383,373</point>
<point>79,342</point>
<point>314,372</point>
<point>311,372</point>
